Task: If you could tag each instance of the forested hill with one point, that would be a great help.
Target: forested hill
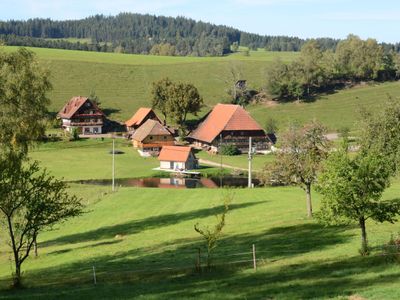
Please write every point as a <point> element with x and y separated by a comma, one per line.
<point>143,34</point>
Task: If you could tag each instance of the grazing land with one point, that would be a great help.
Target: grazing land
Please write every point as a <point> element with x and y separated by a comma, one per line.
<point>141,241</point>
<point>142,244</point>
<point>123,83</point>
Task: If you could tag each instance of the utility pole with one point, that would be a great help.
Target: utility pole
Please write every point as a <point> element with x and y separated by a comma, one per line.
<point>250,158</point>
<point>113,164</point>
<point>220,154</point>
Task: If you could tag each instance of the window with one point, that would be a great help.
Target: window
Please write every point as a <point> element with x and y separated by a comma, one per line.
<point>165,137</point>
<point>151,137</point>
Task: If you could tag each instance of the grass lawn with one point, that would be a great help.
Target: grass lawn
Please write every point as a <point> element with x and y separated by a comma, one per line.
<point>143,245</point>
<point>123,83</point>
<point>91,159</point>
<point>335,111</point>
<point>239,161</point>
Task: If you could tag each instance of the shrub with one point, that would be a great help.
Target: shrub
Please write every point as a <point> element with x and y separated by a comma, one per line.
<point>229,149</point>
<point>392,249</point>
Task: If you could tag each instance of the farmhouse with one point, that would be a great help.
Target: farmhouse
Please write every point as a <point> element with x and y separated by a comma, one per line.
<point>152,136</point>
<point>229,124</point>
<point>177,158</point>
<point>140,117</point>
<point>83,114</point>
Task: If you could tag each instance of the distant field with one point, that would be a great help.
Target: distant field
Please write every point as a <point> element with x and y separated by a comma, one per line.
<point>123,83</point>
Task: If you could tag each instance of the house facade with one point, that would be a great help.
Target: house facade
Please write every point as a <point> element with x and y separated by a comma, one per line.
<point>229,124</point>
<point>140,117</point>
<point>177,158</point>
<point>83,114</point>
<point>151,137</point>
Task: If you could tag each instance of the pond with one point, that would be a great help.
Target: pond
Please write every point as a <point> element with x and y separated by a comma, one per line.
<point>175,182</point>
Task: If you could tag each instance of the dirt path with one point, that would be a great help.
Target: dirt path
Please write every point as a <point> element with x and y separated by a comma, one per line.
<point>215,164</point>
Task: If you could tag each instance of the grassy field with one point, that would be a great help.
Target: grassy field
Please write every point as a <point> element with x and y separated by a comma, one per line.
<point>239,161</point>
<point>123,83</point>
<point>142,244</point>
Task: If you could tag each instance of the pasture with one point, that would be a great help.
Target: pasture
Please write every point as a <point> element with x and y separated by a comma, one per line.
<point>123,83</point>
<point>142,243</point>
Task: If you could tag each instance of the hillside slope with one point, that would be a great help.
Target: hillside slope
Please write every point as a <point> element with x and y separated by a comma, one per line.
<point>123,83</point>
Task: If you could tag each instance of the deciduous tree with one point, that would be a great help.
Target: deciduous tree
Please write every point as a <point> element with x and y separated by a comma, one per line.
<point>23,101</point>
<point>30,201</point>
<point>352,191</point>
<point>299,159</point>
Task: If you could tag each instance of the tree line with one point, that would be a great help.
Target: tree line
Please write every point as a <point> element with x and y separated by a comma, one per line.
<point>143,34</point>
<point>318,69</point>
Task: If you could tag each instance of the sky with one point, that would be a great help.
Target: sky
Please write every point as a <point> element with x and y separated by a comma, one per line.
<point>302,18</point>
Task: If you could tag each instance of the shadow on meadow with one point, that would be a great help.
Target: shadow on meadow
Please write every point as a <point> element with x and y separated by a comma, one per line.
<point>163,272</point>
<point>136,226</point>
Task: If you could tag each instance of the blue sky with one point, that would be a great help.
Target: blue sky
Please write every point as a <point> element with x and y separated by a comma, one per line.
<point>303,18</point>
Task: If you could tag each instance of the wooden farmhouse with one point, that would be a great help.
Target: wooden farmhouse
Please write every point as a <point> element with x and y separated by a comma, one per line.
<point>177,158</point>
<point>151,137</point>
<point>83,114</point>
<point>229,124</point>
<point>140,117</point>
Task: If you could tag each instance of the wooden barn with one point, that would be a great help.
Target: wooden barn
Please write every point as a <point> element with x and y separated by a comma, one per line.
<point>140,117</point>
<point>177,158</point>
<point>83,114</point>
<point>229,124</point>
<point>152,136</point>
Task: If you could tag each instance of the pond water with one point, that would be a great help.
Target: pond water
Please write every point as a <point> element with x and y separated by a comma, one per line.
<point>175,182</point>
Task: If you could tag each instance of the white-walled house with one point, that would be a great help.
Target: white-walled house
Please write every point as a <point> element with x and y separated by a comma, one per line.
<point>83,114</point>
<point>177,158</point>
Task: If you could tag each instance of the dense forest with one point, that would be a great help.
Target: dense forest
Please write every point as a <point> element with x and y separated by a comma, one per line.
<point>144,34</point>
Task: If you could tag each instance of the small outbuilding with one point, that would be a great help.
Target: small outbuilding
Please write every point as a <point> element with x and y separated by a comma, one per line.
<point>151,137</point>
<point>140,117</point>
<point>177,158</point>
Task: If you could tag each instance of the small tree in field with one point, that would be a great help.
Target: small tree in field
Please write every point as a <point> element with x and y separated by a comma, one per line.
<point>30,202</point>
<point>352,191</point>
<point>302,151</point>
<point>212,235</point>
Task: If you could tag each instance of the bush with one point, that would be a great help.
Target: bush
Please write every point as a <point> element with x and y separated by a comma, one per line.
<point>229,150</point>
<point>392,249</point>
<point>74,134</point>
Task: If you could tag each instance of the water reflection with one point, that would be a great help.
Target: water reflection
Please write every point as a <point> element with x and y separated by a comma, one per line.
<point>175,182</point>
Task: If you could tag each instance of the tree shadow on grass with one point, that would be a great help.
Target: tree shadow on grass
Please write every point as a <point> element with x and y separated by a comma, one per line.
<point>166,270</point>
<point>136,226</point>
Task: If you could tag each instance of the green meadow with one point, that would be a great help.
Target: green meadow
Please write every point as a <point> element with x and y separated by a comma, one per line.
<point>123,83</point>
<point>142,243</point>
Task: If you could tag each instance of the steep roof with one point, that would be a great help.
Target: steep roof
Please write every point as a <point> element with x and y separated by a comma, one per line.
<point>224,117</point>
<point>139,116</point>
<point>74,105</point>
<point>150,127</point>
<point>174,153</point>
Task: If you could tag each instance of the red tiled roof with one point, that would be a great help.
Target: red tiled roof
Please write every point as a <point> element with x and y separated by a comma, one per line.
<point>73,106</point>
<point>224,117</point>
<point>174,153</point>
<point>150,127</point>
<point>139,116</point>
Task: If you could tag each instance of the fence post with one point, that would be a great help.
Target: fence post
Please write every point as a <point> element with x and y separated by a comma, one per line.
<point>198,260</point>
<point>254,258</point>
<point>94,276</point>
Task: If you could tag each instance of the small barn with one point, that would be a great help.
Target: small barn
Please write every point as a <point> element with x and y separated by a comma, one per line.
<point>140,117</point>
<point>177,158</point>
<point>83,114</point>
<point>151,137</point>
<point>229,124</point>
